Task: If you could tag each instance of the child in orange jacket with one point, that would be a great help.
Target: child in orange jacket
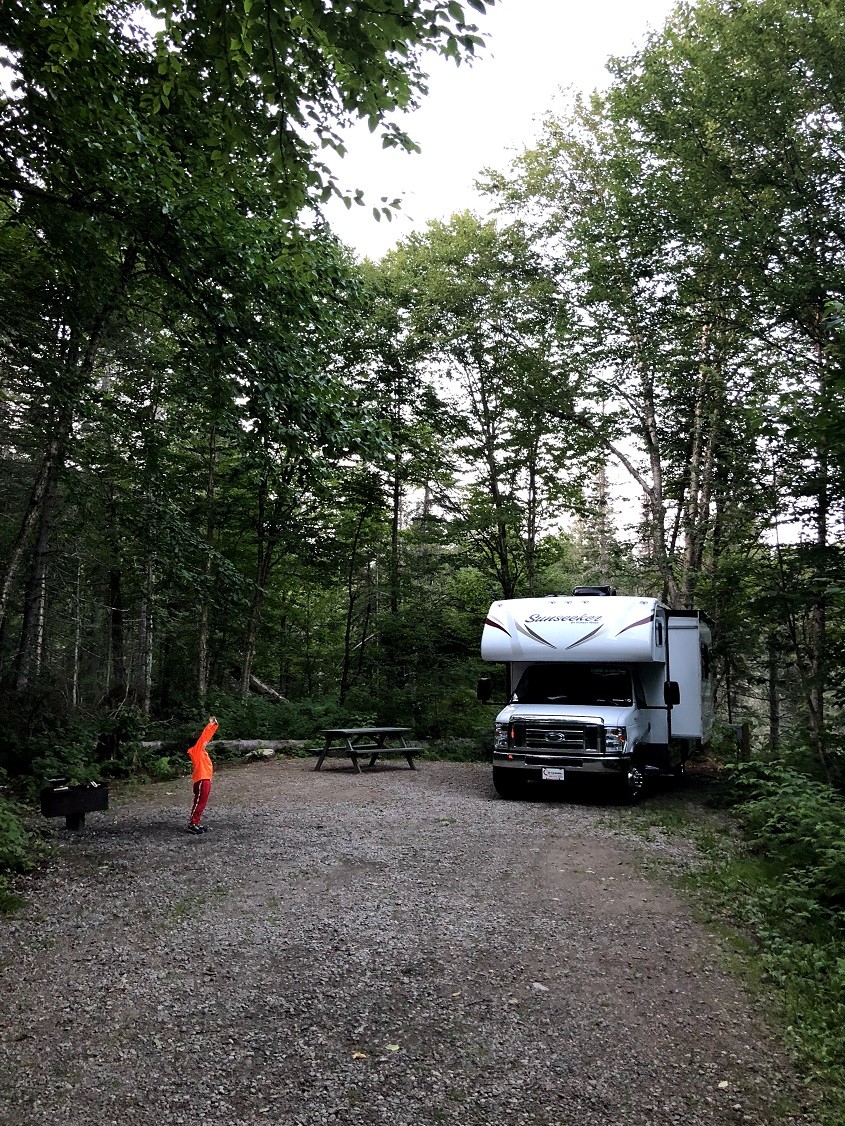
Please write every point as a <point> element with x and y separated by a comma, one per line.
<point>201,776</point>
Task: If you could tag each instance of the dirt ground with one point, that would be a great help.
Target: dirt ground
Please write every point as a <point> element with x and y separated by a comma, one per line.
<point>395,947</point>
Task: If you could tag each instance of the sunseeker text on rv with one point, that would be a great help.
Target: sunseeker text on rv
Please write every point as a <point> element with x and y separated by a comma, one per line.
<point>588,618</point>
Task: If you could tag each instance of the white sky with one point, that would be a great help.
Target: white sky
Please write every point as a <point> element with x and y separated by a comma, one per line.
<point>475,116</point>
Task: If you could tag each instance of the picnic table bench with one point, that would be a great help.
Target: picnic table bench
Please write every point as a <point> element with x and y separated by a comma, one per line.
<point>370,743</point>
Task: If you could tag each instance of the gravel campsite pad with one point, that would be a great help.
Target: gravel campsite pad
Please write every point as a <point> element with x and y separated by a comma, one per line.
<point>396,947</point>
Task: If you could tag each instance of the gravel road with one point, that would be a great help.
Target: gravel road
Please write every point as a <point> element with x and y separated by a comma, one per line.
<point>395,947</point>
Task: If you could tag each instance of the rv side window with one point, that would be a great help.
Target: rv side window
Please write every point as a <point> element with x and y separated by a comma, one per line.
<point>597,685</point>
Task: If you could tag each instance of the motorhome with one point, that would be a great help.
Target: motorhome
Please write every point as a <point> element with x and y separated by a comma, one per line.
<point>600,685</point>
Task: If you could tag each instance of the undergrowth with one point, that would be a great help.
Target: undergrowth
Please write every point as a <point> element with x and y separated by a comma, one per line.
<point>776,889</point>
<point>795,902</point>
<point>20,849</point>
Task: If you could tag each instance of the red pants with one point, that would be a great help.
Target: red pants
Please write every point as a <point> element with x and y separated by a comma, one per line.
<point>201,791</point>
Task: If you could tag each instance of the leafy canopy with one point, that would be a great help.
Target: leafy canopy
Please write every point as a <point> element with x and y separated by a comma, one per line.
<point>270,81</point>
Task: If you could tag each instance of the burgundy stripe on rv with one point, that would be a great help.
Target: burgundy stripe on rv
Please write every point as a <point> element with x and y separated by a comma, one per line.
<point>496,625</point>
<point>633,625</point>
<point>523,629</point>
<point>586,636</point>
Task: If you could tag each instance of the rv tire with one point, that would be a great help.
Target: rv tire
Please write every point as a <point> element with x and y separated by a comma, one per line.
<point>508,784</point>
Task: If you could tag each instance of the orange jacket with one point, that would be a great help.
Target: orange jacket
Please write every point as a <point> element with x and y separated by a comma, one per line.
<point>199,755</point>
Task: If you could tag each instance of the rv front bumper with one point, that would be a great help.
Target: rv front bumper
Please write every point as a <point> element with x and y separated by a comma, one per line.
<point>577,764</point>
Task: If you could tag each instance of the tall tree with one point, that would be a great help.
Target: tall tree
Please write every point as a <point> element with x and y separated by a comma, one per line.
<point>667,366</point>
<point>176,163</point>
<point>487,317</point>
<point>741,103</point>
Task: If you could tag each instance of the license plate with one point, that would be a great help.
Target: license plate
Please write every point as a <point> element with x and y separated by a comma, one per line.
<point>552,773</point>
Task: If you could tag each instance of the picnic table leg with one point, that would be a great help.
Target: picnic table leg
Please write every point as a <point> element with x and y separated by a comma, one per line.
<point>320,759</point>
<point>410,759</point>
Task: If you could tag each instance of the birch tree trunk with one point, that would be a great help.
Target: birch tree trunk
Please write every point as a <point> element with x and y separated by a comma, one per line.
<point>77,637</point>
<point>145,641</point>
<point>44,481</point>
<point>818,612</point>
<point>33,602</point>
<point>352,596</point>
<point>203,625</point>
<point>499,546</point>
<point>774,693</point>
<point>267,539</point>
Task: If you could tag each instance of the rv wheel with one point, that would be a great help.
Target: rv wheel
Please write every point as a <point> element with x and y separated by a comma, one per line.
<point>633,784</point>
<point>508,784</point>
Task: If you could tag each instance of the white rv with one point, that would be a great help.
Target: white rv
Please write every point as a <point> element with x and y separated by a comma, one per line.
<point>614,687</point>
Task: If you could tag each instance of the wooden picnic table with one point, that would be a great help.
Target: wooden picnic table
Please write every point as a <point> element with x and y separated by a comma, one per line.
<point>367,742</point>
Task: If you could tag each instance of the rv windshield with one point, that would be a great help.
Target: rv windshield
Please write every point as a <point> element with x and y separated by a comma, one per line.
<point>575,684</point>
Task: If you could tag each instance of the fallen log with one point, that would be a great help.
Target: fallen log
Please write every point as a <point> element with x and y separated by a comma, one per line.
<point>256,685</point>
<point>245,746</point>
<point>265,690</point>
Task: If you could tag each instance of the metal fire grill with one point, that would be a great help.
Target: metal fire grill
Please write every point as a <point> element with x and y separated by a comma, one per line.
<point>73,802</point>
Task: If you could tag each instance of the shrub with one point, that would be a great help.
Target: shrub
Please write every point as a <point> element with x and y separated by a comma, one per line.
<point>798,823</point>
<point>795,900</point>
<point>19,848</point>
<point>61,756</point>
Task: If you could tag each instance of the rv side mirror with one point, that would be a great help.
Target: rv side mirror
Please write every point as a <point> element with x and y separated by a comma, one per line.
<point>671,693</point>
<point>485,689</point>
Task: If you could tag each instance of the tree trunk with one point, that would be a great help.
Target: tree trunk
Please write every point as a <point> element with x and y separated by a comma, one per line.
<point>604,535</point>
<point>35,593</point>
<point>265,690</point>
<point>531,522</point>
<point>655,500</point>
<point>145,642</point>
<point>501,542</point>
<point>267,540</point>
<point>818,613</point>
<point>395,516</point>
<point>697,518</point>
<point>352,596</point>
<point>77,637</point>
<point>774,694</point>
<point>74,356</point>
<point>370,608</point>
<point>45,483</point>
<point>119,685</point>
<point>203,625</point>
<point>255,608</point>
<point>39,629</point>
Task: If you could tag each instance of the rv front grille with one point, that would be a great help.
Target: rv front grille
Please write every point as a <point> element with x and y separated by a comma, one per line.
<point>551,739</point>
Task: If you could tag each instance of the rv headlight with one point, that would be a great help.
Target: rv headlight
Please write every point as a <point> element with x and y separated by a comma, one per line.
<point>500,737</point>
<point>615,740</point>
